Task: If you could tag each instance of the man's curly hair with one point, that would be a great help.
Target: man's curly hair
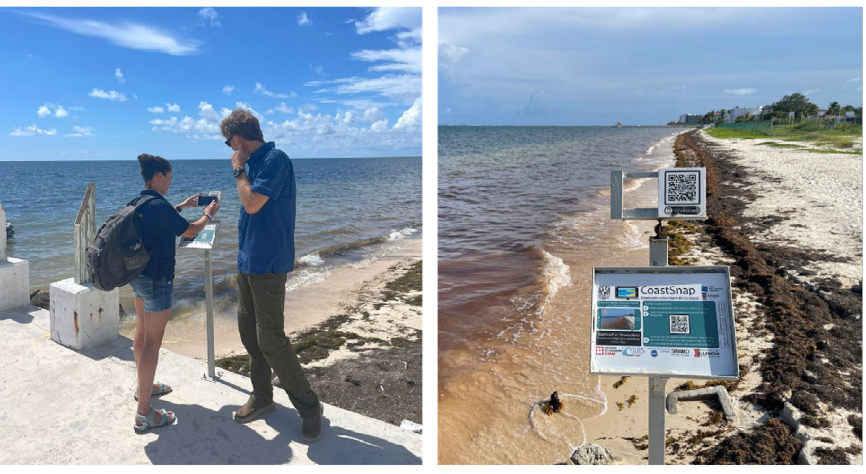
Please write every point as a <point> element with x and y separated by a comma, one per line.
<point>242,123</point>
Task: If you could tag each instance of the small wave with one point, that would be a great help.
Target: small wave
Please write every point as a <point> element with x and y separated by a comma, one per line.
<point>334,250</point>
<point>306,277</point>
<point>556,272</point>
<point>402,233</point>
<point>311,260</point>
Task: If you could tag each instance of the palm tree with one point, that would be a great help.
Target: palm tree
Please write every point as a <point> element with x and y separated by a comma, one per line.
<point>834,108</point>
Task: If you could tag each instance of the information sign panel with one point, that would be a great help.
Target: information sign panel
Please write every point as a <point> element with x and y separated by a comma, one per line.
<point>663,321</point>
<point>203,240</point>
<point>682,193</point>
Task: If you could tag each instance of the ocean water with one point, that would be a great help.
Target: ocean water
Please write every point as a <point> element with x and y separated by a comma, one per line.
<point>347,210</point>
<point>523,217</point>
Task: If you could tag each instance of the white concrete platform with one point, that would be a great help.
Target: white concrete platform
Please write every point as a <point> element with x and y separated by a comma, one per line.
<point>58,406</point>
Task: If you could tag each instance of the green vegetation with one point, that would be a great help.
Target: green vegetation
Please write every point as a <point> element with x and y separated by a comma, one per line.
<point>839,137</point>
<point>717,132</point>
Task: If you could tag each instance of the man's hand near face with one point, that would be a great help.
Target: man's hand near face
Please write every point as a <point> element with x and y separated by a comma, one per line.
<point>241,155</point>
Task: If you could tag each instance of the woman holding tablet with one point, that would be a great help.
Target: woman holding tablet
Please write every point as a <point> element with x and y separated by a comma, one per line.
<point>160,224</point>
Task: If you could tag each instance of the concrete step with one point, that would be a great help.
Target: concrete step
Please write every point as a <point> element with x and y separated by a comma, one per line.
<point>58,406</point>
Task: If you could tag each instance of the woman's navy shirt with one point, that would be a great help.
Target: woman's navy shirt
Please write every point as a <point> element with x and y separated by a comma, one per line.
<point>160,224</point>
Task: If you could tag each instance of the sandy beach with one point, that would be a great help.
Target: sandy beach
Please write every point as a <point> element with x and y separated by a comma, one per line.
<point>788,224</point>
<point>306,306</point>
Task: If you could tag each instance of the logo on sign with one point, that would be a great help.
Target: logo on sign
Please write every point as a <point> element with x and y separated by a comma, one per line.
<point>681,352</point>
<point>628,351</point>
<point>697,352</point>
<point>654,353</point>
<point>599,350</point>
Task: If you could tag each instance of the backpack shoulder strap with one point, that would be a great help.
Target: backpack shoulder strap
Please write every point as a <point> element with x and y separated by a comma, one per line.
<point>140,200</point>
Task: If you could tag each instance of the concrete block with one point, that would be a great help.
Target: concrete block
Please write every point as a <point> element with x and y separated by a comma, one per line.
<point>707,393</point>
<point>82,316</point>
<point>14,283</point>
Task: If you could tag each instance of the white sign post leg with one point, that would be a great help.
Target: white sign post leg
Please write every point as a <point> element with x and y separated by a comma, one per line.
<point>657,420</point>
<point>211,371</point>
<point>656,415</point>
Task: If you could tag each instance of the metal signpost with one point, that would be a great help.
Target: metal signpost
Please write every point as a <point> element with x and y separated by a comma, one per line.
<point>205,241</point>
<point>659,321</point>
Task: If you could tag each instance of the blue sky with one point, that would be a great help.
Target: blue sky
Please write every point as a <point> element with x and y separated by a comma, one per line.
<point>596,66</point>
<point>111,83</point>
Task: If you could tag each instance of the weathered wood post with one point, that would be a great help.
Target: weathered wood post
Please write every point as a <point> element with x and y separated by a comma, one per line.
<point>81,315</point>
<point>85,232</point>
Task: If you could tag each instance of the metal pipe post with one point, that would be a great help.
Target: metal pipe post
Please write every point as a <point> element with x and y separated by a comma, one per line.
<point>211,370</point>
<point>656,414</point>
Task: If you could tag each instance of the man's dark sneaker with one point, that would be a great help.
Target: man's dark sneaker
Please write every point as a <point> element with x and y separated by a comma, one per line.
<point>312,428</point>
<point>254,412</point>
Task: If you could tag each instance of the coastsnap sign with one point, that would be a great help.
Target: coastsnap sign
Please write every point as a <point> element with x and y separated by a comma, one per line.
<point>663,321</point>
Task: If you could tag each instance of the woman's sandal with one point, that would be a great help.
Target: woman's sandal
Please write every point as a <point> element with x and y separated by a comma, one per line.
<point>144,423</point>
<point>163,389</point>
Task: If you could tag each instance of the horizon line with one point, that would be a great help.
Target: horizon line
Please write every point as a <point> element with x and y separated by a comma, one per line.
<point>217,159</point>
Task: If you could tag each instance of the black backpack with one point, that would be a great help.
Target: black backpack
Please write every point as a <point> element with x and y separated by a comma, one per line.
<point>117,254</point>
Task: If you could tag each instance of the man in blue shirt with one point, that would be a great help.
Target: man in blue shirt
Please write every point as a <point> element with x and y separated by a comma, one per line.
<point>266,253</point>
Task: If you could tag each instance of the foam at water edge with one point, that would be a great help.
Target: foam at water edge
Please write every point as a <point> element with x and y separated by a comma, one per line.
<point>311,260</point>
<point>633,236</point>
<point>402,233</point>
<point>305,278</point>
<point>557,273</point>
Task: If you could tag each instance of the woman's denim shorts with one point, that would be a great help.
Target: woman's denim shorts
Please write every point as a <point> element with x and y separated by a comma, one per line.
<point>156,297</point>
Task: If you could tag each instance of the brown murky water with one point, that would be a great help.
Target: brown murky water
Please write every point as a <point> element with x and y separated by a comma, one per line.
<point>514,314</point>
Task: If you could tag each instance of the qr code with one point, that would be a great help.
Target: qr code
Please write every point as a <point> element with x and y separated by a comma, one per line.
<point>682,188</point>
<point>680,324</point>
<point>603,292</point>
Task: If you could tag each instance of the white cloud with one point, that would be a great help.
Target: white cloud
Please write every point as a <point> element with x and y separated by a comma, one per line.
<point>318,70</point>
<point>48,108</point>
<point>206,127</point>
<point>450,53</point>
<point>304,20</point>
<point>227,90</point>
<point>411,118</point>
<point>124,34</point>
<point>119,76</point>
<point>741,91</point>
<point>405,87</point>
<point>81,132</point>
<point>380,126</point>
<point>172,107</point>
<point>373,114</point>
<point>407,60</point>
<point>156,110</point>
<point>402,65</point>
<point>260,89</point>
<point>390,18</point>
<point>307,108</point>
<point>110,95</point>
<point>811,91</point>
<point>31,130</point>
<point>282,109</point>
<point>211,15</point>
<point>856,79</point>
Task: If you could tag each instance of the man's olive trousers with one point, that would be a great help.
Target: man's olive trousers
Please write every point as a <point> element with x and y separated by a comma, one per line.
<point>261,299</point>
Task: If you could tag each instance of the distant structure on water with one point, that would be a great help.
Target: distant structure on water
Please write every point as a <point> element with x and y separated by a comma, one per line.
<point>618,125</point>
